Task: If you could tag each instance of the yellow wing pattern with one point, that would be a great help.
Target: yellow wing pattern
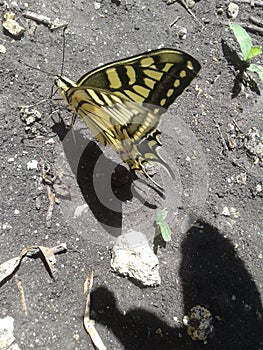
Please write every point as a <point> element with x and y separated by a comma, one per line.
<point>121,102</point>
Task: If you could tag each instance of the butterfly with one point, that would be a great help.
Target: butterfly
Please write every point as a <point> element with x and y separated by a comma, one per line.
<point>122,102</point>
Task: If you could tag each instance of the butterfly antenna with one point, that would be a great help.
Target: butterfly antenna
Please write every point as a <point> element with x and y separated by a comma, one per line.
<point>53,88</point>
<point>63,51</point>
<point>35,68</point>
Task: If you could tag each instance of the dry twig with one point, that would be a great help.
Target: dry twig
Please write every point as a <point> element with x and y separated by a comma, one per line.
<point>188,9</point>
<point>256,21</point>
<point>175,21</point>
<point>251,2</point>
<point>52,201</point>
<point>252,28</point>
<point>52,24</point>
<point>48,179</point>
<point>89,324</point>
<point>21,294</point>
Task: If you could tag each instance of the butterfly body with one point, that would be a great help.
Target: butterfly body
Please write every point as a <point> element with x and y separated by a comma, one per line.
<point>121,102</point>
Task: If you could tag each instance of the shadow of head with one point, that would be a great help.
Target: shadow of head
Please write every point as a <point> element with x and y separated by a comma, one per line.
<point>215,277</point>
<point>212,276</point>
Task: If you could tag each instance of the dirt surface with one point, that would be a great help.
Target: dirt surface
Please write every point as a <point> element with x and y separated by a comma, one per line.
<point>207,140</point>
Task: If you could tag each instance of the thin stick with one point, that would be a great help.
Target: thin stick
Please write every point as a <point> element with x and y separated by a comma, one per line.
<point>256,21</point>
<point>52,24</point>
<point>21,294</point>
<point>237,126</point>
<point>184,4</point>
<point>222,139</point>
<point>35,104</point>
<point>37,17</point>
<point>55,250</point>
<point>175,21</point>
<point>63,52</point>
<point>88,323</point>
<point>252,28</point>
<point>52,201</point>
<point>251,2</point>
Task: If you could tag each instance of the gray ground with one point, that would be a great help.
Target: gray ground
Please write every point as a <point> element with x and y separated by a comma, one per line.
<point>216,262</point>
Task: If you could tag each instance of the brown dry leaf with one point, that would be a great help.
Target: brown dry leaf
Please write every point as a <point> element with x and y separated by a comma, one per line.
<point>49,257</point>
<point>8,267</point>
<point>89,324</point>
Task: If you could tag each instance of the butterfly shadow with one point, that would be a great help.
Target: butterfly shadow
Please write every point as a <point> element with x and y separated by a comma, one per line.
<point>104,184</point>
<point>240,67</point>
<point>213,276</point>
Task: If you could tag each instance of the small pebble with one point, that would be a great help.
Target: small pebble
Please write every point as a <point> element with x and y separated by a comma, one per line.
<point>13,28</point>
<point>258,188</point>
<point>220,194</point>
<point>182,33</point>
<point>232,10</point>
<point>220,11</point>
<point>225,211</point>
<point>9,15</point>
<point>2,49</point>
<point>32,164</point>
<point>50,141</point>
<point>97,5</point>
<point>234,213</point>
<point>76,336</point>
<point>6,226</point>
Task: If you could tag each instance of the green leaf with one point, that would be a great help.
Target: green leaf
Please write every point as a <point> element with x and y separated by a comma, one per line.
<point>164,228</point>
<point>257,69</point>
<point>243,39</point>
<point>254,51</point>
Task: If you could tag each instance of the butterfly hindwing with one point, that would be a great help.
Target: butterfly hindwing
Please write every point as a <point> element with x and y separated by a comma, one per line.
<point>118,123</point>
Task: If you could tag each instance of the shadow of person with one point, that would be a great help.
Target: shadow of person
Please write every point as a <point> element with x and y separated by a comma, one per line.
<point>213,276</point>
<point>137,329</point>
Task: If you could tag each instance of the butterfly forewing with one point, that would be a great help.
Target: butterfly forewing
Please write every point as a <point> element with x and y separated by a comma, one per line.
<point>157,77</point>
<point>121,102</point>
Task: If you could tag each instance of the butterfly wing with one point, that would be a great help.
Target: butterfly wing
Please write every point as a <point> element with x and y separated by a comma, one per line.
<point>156,77</point>
<point>128,127</point>
<point>121,102</point>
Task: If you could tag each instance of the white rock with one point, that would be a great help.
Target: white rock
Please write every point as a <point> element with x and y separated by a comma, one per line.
<point>80,209</point>
<point>232,10</point>
<point>234,213</point>
<point>7,339</point>
<point>97,5</point>
<point>6,226</point>
<point>13,27</point>
<point>50,141</point>
<point>132,256</point>
<point>258,188</point>
<point>241,178</point>
<point>225,211</point>
<point>182,33</point>
<point>2,49</point>
<point>32,164</point>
